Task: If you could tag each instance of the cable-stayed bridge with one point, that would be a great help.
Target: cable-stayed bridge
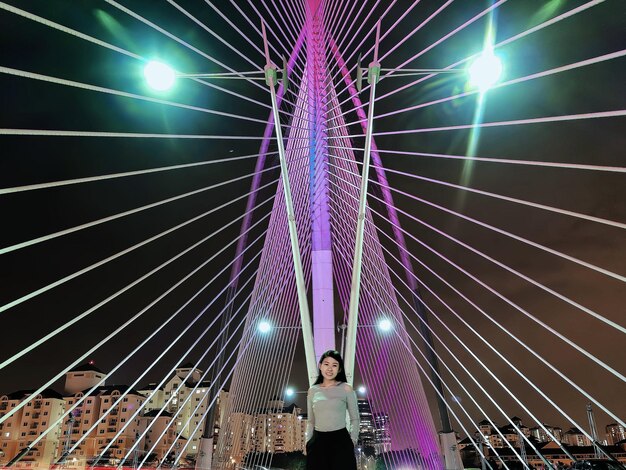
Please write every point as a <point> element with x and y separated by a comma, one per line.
<point>463,247</point>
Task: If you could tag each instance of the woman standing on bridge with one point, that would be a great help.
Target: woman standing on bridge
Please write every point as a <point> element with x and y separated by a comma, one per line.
<point>329,444</point>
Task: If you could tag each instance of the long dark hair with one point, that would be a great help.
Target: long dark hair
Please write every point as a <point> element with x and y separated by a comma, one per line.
<point>341,375</point>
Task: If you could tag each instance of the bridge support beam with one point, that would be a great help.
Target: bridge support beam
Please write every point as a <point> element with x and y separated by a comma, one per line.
<point>303,303</point>
<point>353,312</point>
<point>321,242</point>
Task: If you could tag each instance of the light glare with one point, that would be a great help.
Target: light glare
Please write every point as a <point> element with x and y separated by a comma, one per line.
<point>264,327</point>
<point>384,324</point>
<point>485,71</point>
<point>289,392</point>
<point>159,76</point>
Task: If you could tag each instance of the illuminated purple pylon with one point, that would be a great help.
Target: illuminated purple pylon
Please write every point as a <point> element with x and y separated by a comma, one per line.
<point>321,241</point>
<point>325,179</point>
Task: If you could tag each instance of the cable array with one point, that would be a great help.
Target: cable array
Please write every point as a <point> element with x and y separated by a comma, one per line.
<point>467,250</point>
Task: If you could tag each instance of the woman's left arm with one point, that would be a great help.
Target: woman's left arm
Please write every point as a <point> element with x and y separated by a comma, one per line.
<point>353,412</point>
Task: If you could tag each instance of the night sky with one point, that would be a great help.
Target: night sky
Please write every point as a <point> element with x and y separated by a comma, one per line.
<point>35,104</point>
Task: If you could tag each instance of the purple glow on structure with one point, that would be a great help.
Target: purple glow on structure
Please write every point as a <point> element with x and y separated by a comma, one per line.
<point>377,164</point>
<point>321,242</point>
<point>394,384</point>
<point>327,240</point>
<point>260,164</point>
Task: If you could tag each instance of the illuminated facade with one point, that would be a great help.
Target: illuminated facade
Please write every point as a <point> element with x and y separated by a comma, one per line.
<point>276,429</point>
<point>42,412</point>
<point>382,433</point>
<point>185,397</point>
<point>103,426</point>
<point>367,432</point>
<point>574,437</point>
<point>615,433</point>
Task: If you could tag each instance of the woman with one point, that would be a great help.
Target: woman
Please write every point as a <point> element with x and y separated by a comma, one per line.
<point>329,444</point>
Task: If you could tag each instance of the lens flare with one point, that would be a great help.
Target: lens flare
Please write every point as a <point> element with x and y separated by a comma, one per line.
<point>159,76</point>
<point>385,324</point>
<point>265,327</point>
<point>485,71</point>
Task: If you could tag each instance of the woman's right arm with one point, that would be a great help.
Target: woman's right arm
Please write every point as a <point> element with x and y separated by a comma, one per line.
<point>310,424</point>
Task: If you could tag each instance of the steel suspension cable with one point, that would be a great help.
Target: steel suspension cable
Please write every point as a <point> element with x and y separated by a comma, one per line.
<point>89,179</point>
<point>539,163</point>
<point>517,307</point>
<point>86,313</point>
<point>124,325</point>
<point>526,241</point>
<point>478,360</point>
<point>165,377</point>
<point>537,284</point>
<point>93,223</point>
<point>86,37</point>
<point>336,216</point>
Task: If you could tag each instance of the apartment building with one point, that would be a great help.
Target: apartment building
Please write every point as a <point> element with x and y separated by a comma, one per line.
<point>160,436</point>
<point>615,433</point>
<point>92,420</point>
<point>279,429</point>
<point>186,398</point>
<point>34,417</point>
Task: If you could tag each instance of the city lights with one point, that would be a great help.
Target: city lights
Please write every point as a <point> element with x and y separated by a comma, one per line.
<point>160,76</point>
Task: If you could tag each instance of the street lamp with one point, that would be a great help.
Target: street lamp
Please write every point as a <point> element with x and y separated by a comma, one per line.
<point>385,325</point>
<point>159,76</point>
<point>264,326</point>
<point>485,70</point>
<point>290,392</point>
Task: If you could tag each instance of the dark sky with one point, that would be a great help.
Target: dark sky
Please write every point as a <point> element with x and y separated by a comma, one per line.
<point>34,104</point>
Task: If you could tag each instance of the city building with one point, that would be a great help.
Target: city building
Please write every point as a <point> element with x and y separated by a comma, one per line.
<point>186,398</point>
<point>572,442</point>
<point>507,435</point>
<point>40,415</point>
<point>542,436</point>
<point>93,421</point>
<point>275,429</point>
<point>382,433</point>
<point>118,424</point>
<point>615,433</point>
<point>160,436</point>
<point>574,437</point>
<point>367,431</point>
<point>280,429</point>
<point>83,377</point>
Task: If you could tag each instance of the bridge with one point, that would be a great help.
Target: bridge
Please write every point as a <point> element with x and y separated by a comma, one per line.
<point>241,186</point>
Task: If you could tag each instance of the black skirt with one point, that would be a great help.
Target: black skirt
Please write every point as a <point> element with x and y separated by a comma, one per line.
<point>332,450</point>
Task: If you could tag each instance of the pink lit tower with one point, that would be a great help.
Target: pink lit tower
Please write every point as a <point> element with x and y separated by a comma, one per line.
<point>308,253</point>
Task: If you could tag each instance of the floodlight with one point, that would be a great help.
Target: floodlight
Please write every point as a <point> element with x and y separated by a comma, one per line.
<point>264,327</point>
<point>485,71</point>
<point>289,392</point>
<point>159,76</point>
<point>385,324</point>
